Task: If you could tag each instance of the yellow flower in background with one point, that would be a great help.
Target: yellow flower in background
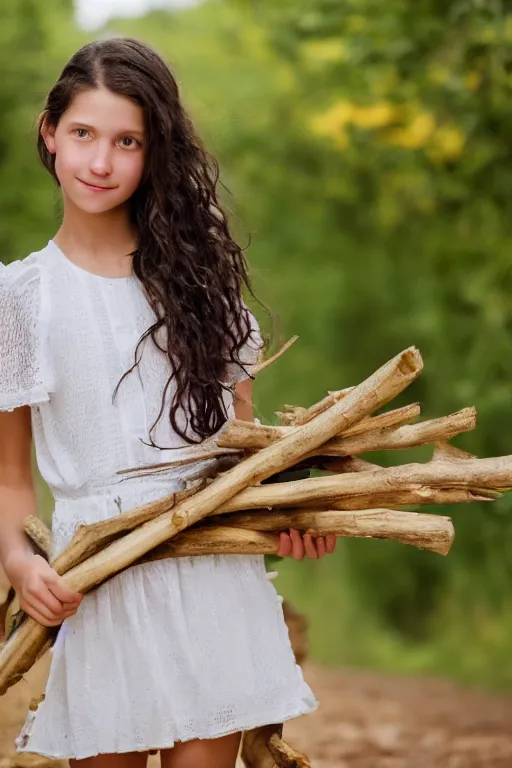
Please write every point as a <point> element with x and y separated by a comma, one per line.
<point>447,144</point>
<point>328,51</point>
<point>377,115</point>
<point>415,134</point>
<point>334,121</point>
<point>417,128</point>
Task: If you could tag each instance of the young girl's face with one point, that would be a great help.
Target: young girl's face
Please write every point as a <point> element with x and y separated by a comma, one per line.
<point>99,150</point>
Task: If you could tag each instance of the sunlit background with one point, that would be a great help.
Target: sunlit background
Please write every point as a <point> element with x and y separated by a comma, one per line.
<point>367,148</point>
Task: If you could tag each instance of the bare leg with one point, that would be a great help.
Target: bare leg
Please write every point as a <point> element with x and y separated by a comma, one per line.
<point>203,753</point>
<point>128,760</point>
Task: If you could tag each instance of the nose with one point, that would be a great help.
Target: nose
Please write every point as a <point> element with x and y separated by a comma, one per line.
<point>101,161</point>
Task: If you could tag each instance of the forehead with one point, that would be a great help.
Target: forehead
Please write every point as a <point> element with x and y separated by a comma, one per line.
<point>105,110</point>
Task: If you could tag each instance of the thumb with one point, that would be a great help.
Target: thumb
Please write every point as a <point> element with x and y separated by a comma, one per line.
<point>60,589</point>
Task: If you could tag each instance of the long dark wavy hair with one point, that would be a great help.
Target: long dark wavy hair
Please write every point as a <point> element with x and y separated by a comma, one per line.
<point>192,270</point>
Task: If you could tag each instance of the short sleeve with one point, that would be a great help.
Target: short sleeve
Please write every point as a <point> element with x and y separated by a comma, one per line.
<point>22,321</point>
<point>249,354</point>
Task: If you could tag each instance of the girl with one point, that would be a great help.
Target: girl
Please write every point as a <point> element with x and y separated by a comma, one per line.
<point>121,343</point>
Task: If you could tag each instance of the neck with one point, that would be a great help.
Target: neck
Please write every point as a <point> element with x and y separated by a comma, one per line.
<point>100,242</point>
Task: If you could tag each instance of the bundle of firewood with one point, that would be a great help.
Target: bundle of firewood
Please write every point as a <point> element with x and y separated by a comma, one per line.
<point>228,509</point>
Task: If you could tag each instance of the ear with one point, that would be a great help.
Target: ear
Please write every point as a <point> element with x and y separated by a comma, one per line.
<point>48,134</point>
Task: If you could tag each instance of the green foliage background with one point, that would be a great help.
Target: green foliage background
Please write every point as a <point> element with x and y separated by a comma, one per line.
<point>367,147</point>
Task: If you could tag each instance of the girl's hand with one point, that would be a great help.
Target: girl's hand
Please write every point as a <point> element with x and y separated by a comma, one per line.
<point>296,546</point>
<point>43,594</point>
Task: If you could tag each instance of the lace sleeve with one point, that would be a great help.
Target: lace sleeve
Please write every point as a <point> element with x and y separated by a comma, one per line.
<point>21,337</point>
<point>249,354</point>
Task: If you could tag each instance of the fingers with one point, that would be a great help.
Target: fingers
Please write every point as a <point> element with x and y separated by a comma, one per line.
<point>320,546</point>
<point>309,546</point>
<point>298,547</point>
<point>285,545</point>
<point>38,616</point>
<point>60,589</point>
<point>47,618</point>
<point>40,597</point>
<point>39,601</point>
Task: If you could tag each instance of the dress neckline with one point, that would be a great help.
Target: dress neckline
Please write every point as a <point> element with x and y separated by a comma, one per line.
<point>73,265</point>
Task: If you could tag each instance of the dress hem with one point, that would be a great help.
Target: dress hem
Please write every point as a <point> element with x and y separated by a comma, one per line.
<point>247,726</point>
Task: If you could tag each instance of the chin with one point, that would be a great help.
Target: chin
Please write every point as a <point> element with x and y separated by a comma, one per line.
<point>97,206</point>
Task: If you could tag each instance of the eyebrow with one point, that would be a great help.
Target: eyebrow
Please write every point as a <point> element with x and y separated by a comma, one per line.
<point>126,132</point>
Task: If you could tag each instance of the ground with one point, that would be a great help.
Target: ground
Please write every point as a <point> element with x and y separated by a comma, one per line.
<point>364,720</point>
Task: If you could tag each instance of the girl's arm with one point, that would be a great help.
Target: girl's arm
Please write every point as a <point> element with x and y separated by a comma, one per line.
<point>243,400</point>
<point>291,544</point>
<point>42,593</point>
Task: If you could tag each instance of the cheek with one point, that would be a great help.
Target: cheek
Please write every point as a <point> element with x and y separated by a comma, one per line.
<point>130,170</point>
<point>67,160</point>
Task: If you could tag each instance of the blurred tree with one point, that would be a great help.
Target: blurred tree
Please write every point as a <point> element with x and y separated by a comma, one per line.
<point>409,111</point>
<point>34,38</point>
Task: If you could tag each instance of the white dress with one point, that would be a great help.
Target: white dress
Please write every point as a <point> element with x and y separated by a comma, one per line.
<point>166,651</point>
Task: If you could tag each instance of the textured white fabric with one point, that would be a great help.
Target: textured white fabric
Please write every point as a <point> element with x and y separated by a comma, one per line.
<point>23,324</point>
<point>166,651</point>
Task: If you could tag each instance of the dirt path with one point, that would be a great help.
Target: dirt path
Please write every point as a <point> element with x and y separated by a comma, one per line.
<point>364,721</point>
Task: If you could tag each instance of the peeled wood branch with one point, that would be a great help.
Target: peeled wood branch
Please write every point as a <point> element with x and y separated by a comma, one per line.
<point>406,436</point>
<point>238,434</point>
<point>264,748</point>
<point>393,418</point>
<point>39,533</point>
<point>17,654</point>
<point>470,474</point>
<point>261,366</point>
<point>431,532</point>
<point>244,434</point>
<point>323,405</point>
<point>93,538</point>
<point>345,464</point>
<point>412,496</point>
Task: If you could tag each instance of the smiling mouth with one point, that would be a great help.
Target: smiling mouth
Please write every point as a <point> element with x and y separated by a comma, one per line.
<point>94,186</point>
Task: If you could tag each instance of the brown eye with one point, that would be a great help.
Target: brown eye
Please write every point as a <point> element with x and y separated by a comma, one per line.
<point>82,133</point>
<point>128,142</point>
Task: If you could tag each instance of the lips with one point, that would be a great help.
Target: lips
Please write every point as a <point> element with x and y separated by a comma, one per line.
<point>94,186</point>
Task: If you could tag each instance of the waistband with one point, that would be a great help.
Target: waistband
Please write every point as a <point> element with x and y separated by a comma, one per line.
<point>165,481</point>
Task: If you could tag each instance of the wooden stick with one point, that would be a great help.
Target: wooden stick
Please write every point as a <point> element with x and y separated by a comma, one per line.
<point>39,533</point>
<point>92,538</point>
<point>345,464</point>
<point>264,748</point>
<point>244,434</point>
<point>406,436</point>
<point>480,473</point>
<point>387,419</point>
<point>246,534</point>
<point>238,434</point>
<point>413,496</point>
<point>261,366</point>
<point>323,405</point>
<point>17,654</point>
